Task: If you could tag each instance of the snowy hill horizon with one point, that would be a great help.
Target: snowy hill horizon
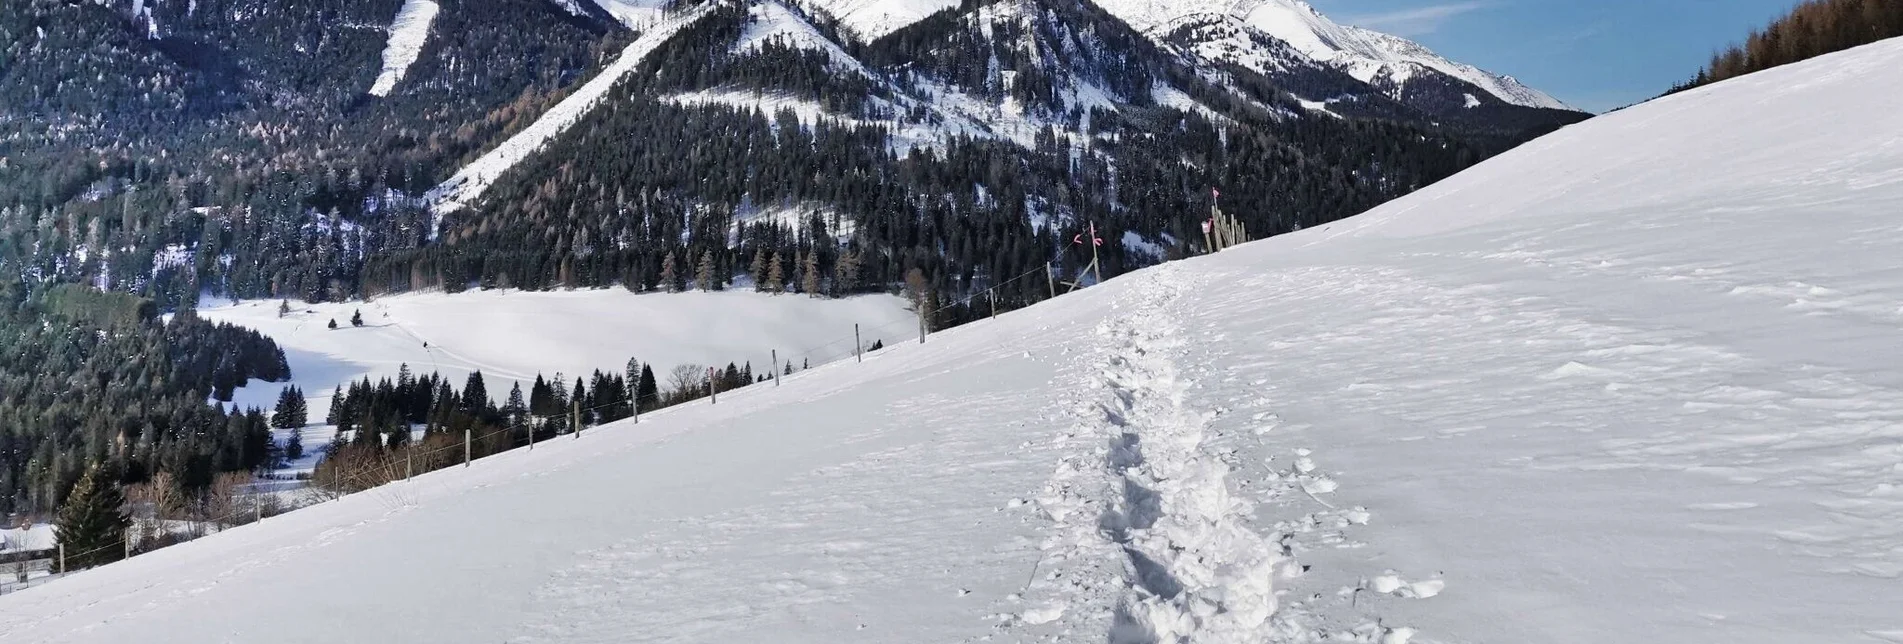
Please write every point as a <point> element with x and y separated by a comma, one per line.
<point>1636,380</point>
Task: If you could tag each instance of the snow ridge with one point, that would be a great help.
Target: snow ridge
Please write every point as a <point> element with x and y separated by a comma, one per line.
<point>408,32</point>
<point>469,183</point>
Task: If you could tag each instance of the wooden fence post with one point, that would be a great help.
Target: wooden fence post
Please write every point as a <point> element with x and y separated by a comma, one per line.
<point>62,558</point>
<point>466,446</point>
<point>992,294</point>
<point>575,416</point>
<point>858,346</point>
<point>713,391</point>
<point>1050,279</point>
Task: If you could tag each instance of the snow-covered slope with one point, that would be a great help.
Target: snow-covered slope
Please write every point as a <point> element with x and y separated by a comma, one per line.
<point>871,19</point>
<point>1637,381</point>
<point>469,182</point>
<point>408,32</point>
<point>1367,55</point>
<point>511,336</point>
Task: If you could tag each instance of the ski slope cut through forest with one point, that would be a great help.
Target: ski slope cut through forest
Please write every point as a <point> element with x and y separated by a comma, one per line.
<point>1636,381</point>
<point>408,32</point>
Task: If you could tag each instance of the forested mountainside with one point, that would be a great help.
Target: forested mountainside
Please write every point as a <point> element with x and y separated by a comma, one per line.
<point>164,149</point>
<point>1813,28</point>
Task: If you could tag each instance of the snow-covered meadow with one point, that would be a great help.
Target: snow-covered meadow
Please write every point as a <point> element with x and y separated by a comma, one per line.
<point>1638,381</point>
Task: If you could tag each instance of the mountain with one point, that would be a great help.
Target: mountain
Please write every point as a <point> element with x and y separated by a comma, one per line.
<point>328,151</point>
<point>1633,382</point>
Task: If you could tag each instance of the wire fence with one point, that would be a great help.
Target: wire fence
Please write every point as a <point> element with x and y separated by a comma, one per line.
<point>404,463</point>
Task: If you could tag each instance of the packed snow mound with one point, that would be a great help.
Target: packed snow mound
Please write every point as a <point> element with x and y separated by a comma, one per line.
<point>1364,54</point>
<point>408,32</point>
<point>1636,381</point>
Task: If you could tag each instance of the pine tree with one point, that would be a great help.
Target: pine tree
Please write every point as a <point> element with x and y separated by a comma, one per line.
<point>294,446</point>
<point>91,526</point>
<point>649,390</point>
<point>337,405</point>
<point>845,274</point>
<point>775,276</point>
<point>811,277</point>
<point>514,408</point>
<point>475,395</point>
<point>758,269</point>
<point>669,279</point>
<point>704,276</point>
<point>291,412</point>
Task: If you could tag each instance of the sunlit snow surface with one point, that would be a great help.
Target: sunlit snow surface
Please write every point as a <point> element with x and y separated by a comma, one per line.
<point>1637,381</point>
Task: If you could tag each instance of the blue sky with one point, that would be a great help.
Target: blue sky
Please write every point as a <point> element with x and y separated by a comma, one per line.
<point>1593,54</point>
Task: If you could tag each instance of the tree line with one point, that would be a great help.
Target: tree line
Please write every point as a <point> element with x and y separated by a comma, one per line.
<point>1813,28</point>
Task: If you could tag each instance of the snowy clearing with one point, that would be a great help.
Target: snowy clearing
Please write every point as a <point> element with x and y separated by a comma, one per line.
<point>512,335</point>
<point>1636,381</point>
<point>408,32</point>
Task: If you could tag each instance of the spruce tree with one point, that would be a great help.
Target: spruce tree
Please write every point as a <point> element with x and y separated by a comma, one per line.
<point>775,276</point>
<point>294,446</point>
<point>649,391</point>
<point>669,279</point>
<point>758,269</point>
<point>811,277</point>
<point>91,526</point>
<point>704,276</point>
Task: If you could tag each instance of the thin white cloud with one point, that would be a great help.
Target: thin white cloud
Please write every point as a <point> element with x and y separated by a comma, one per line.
<point>1415,22</point>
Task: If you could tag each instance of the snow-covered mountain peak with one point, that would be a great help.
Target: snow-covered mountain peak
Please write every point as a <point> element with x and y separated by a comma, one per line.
<point>1365,54</point>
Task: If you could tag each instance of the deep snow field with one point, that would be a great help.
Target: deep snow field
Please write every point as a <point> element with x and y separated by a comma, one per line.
<point>1638,381</point>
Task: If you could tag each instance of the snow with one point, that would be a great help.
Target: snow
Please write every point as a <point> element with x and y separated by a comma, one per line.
<point>871,19</point>
<point>1635,381</point>
<point>408,32</point>
<point>38,536</point>
<point>772,22</point>
<point>634,14</point>
<point>468,183</point>
<point>512,335</point>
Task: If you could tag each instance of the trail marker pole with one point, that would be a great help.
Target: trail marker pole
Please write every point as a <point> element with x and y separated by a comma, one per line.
<point>466,445</point>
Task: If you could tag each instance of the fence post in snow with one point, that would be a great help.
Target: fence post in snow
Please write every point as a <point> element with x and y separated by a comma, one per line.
<point>921,325</point>
<point>574,416</point>
<point>1050,279</point>
<point>992,294</point>
<point>713,391</point>
<point>466,446</point>
<point>62,558</point>
<point>409,470</point>
<point>634,403</point>
<point>775,366</point>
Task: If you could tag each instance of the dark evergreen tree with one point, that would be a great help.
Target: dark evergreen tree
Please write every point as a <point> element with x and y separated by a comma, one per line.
<point>92,526</point>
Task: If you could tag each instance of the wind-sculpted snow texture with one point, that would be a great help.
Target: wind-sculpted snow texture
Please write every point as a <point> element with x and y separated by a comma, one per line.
<point>1635,382</point>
